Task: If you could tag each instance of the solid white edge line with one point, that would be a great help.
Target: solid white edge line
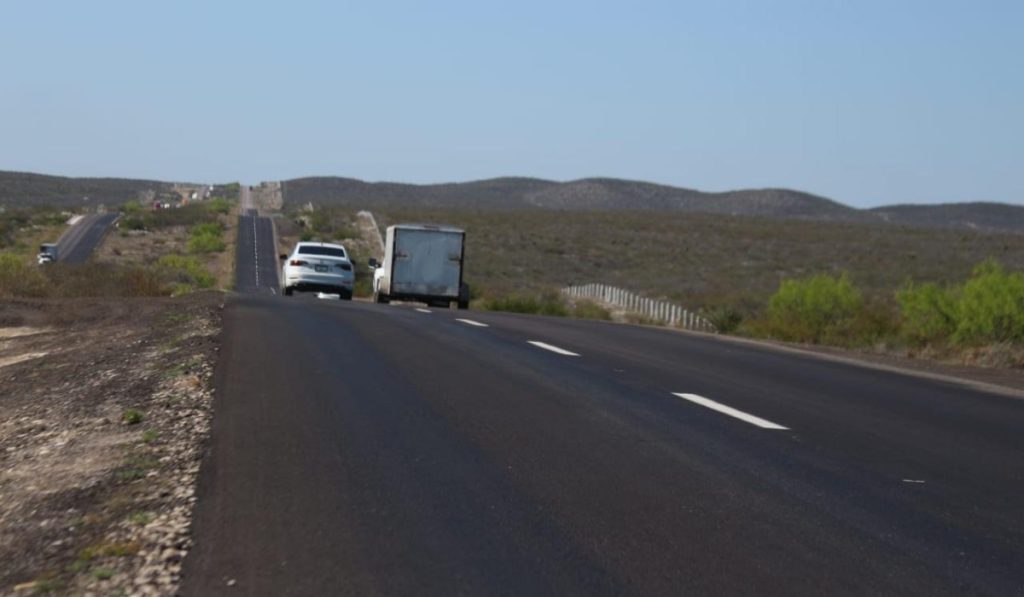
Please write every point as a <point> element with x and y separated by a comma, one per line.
<point>554,349</point>
<point>471,322</point>
<point>422,310</point>
<point>728,410</point>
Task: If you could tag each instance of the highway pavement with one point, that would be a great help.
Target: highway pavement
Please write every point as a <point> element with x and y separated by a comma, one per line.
<point>256,268</point>
<point>362,449</point>
<point>77,244</point>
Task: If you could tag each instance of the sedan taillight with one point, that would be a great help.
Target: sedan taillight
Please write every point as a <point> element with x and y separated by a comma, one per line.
<point>297,262</point>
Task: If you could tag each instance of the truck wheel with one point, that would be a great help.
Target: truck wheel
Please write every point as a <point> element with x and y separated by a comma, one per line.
<point>463,304</point>
<point>381,299</point>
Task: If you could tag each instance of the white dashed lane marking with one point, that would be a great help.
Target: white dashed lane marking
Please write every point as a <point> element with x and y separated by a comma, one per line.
<point>475,323</point>
<point>553,349</point>
<point>255,253</point>
<point>421,310</point>
<point>728,410</point>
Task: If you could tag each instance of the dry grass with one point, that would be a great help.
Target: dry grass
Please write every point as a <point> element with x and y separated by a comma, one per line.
<point>137,246</point>
<point>222,265</point>
<point>143,248</point>
<point>703,260</point>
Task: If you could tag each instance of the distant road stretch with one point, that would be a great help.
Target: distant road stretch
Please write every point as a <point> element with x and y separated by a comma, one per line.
<point>256,265</point>
<point>78,243</point>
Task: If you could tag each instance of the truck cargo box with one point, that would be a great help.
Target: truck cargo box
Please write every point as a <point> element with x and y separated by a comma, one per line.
<point>422,263</point>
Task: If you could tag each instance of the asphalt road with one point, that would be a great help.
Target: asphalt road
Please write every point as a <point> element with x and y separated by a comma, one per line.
<point>257,265</point>
<point>78,243</point>
<point>362,449</point>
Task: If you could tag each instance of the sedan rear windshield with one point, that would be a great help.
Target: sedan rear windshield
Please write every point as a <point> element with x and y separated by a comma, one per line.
<point>314,250</point>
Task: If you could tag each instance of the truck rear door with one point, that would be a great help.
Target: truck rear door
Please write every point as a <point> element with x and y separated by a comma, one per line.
<point>427,263</point>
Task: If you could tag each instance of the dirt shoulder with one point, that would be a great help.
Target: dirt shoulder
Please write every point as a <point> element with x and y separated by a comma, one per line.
<point>106,404</point>
<point>145,247</point>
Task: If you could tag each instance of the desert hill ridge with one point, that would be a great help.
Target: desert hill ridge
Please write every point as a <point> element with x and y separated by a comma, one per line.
<point>514,193</point>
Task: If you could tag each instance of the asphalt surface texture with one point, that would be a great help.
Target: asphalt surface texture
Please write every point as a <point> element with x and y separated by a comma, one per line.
<point>256,268</point>
<point>362,449</point>
<point>78,243</point>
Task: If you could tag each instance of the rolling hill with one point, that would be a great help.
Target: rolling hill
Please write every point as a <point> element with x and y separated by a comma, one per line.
<point>27,189</point>
<point>604,194</point>
<point>519,193</point>
<point>585,194</point>
<point>976,216</point>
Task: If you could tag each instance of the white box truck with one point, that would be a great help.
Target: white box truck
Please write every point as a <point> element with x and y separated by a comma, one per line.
<point>422,263</point>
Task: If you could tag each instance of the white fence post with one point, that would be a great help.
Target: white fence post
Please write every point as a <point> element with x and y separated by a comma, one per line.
<point>658,311</point>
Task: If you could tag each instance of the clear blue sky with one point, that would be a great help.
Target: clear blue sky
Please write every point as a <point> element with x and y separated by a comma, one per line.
<point>865,102</point>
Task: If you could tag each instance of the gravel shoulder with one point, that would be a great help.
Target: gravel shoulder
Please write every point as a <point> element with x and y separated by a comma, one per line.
<point>106,406</point>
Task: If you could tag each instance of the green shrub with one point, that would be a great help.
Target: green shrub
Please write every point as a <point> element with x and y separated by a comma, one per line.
<point>585,309</point>
<point>876,323</point>
<point>185,272</point>
<point>16,220</point>
<point>928,312</point>
<point>726,319</point>
<point>207,228</point>
<point>104,279</point>
<point>548,303</point>
<point>814,308</point>
<point>132,416</point>
<point>991,307</point>
<point>206,238</point>
<point>205,243</point>
<point>186,215</point>
<point>132,223</point>
<point>19,278</point>
<point>219,205</point>
<point>49,217</point>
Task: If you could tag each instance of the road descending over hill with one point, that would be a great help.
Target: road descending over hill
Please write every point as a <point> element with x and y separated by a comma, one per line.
<point>363,449</point>
<point>78,243</point>
<point>256,265</point>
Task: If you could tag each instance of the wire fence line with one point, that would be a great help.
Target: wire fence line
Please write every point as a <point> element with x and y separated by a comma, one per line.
<point>662,312</point>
